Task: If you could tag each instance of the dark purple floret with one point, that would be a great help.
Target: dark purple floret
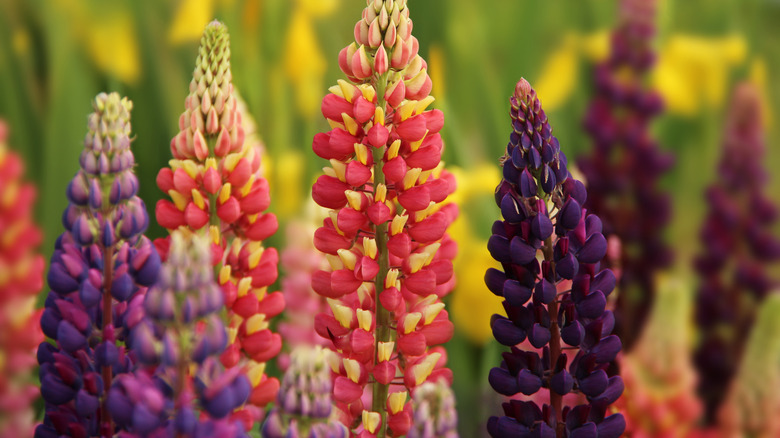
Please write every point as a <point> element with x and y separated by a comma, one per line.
<point>547,238</point>
<point>626,164</point>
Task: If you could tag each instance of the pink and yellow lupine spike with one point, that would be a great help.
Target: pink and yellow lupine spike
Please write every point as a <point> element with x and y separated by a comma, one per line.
<point>216,188</point>
<point>21,278</point>
<point>385,237</point>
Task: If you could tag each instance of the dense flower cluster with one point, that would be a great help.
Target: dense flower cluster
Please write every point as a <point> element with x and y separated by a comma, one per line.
<point>100,264</point>
<point>434,411</point>
<point>215,188</point>
<point>541,204</point>
<point>21,278</point>
<point>738,245</point>
<point>623,171</point>
<point>179,337</point>
<point>299,261</point>
<point>385,237</point>
<point>660,398</point>
<point>304,404</point>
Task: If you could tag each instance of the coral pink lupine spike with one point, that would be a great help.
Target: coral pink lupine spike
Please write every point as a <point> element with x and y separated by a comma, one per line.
<point>21,278</point>
<point>386,189</point>
<point>216,188</point>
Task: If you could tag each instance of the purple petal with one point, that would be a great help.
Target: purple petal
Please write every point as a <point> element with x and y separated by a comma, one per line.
<point>588,430</point>
<point>593,250</point>
<point>541,226</point>
<point>606,350</point>
<point>594,384</point>
<point>562,382</point>
<point>515,293</point>
<point>545,292</point>
<point>592,306</point>
<point>499,248</point>
<point>528,382</point>
<point>570,214</point>
<point>567,266</point>
<point>503,382</point>
<point>612,426</point>
<point>505,331</point>
<point>521,252</point>
<point>573,333</point>
<point>604,281</point>
<point>539,336</point>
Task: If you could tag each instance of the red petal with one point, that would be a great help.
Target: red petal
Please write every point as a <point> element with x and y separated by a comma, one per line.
<point>230,211</point>
<point>415,199</point>
<point>343,281</point>
<point>400,245</point>
<point>168,216</point>
<point>212,182</point>
<point>328,192</point>
<point>384,372</point>
<point>349,222</point>
<point>329,241</point>
<point>333,105</point>
<point>258,199</point>
<point>379,213</point>
<point>265,392</point>
<point>430,229</point>
<point>264,227</point>
<point>434,120</point>
<point>364,110</point>
<point>272,304</point>
<point>377,135</point>
<point>412,129</point>
<point>421,282</point>
<point>239,176</point>
<point>165,179</point>
<point>345,390</point>
<point>395,170</point>
<point>412,344</point>
<point>438,331</point>
<point>357,174</point>
<point>246,306</point>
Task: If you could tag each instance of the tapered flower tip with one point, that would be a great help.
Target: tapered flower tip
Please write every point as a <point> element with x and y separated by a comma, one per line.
<point>522,89</point>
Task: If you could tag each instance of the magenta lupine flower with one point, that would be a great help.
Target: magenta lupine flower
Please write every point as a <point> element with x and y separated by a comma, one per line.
<point>304,404</point>
<point>181,337</point>
<point>738,249</point>
<point>299,260</point>
<point>546,240</point>
<point>391,260</point>
<point>216,188</point>
<point>21,278</point>
<point>100,264</point>
<point>625,167</point>
<point>434,411</point>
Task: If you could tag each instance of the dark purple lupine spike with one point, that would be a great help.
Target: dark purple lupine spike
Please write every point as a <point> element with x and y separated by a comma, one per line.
<point>626,164</point>
<point>178,326</point>
<point>738,248</point>
<point>552,242</point>
<point>86,319</point>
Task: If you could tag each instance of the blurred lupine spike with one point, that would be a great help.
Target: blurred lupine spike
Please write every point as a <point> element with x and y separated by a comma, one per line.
<point>434,411</point>
<point>660,398</point>
<point>752,402</point>
<point>739,249</point>
<point>21,278</point>
<point>558,302</point>
<point>385,237</point>
<point>101,265</point>
<point>181,337</point>
<point>624,169</point>
<point>304,404</point>
<point>216,188</point>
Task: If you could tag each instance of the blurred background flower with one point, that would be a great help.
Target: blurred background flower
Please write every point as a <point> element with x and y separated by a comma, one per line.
<point>53,61</point>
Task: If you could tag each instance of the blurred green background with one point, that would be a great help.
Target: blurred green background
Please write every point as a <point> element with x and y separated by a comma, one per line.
<point>56,55</point>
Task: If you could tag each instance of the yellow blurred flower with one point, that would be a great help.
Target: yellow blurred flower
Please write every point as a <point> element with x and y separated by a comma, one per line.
<point>190,18</point>
<point>284,175</point>
<point>436,70</point>
<point>759,76</point>
<point>558,76</point>
<point>107,34</point>
<point>692,71</point>
<point>472,303</point>
<point>304,63</point>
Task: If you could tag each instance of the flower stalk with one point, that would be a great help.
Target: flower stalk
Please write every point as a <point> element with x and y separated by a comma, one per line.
<point>101,264</point>
<point>557,302</point>
<point>216,189</point>
<point>385,237</point>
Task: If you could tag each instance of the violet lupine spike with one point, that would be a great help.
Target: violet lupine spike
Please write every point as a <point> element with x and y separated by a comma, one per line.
<point>181,337</point>
<point>216,187</point>
<point>21,278</point>
<point>386,241</point>
<point>738,249</point>
<point>101,263</point>
<point>434,411</point>
<point>304,404</point>
<point>626,165</point>
<point>556,302</point>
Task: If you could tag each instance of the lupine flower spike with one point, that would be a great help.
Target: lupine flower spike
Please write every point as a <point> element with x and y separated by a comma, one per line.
<point>21,278</point>
<point>391,260</point>
<point>623,171</point>
<point>738,249</point>
<point>304,405</point>
<point>434,411</point>
<point>216,189</point>
<point>100,265</point>
<point>180,339</point>
<point>553,288</point>
<point>660,398</point>
<point>300,260</point>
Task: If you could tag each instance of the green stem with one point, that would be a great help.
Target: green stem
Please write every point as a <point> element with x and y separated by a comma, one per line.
<point>383,318</point>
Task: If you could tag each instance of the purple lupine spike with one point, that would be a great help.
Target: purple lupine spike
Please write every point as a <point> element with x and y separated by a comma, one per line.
<point>304,399</point>
<point>181,327</point>
<point>94,273</point>
<point>738,247</point>
<point>626,165</point>
<point>550,244</point>
<point>434,411</point>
